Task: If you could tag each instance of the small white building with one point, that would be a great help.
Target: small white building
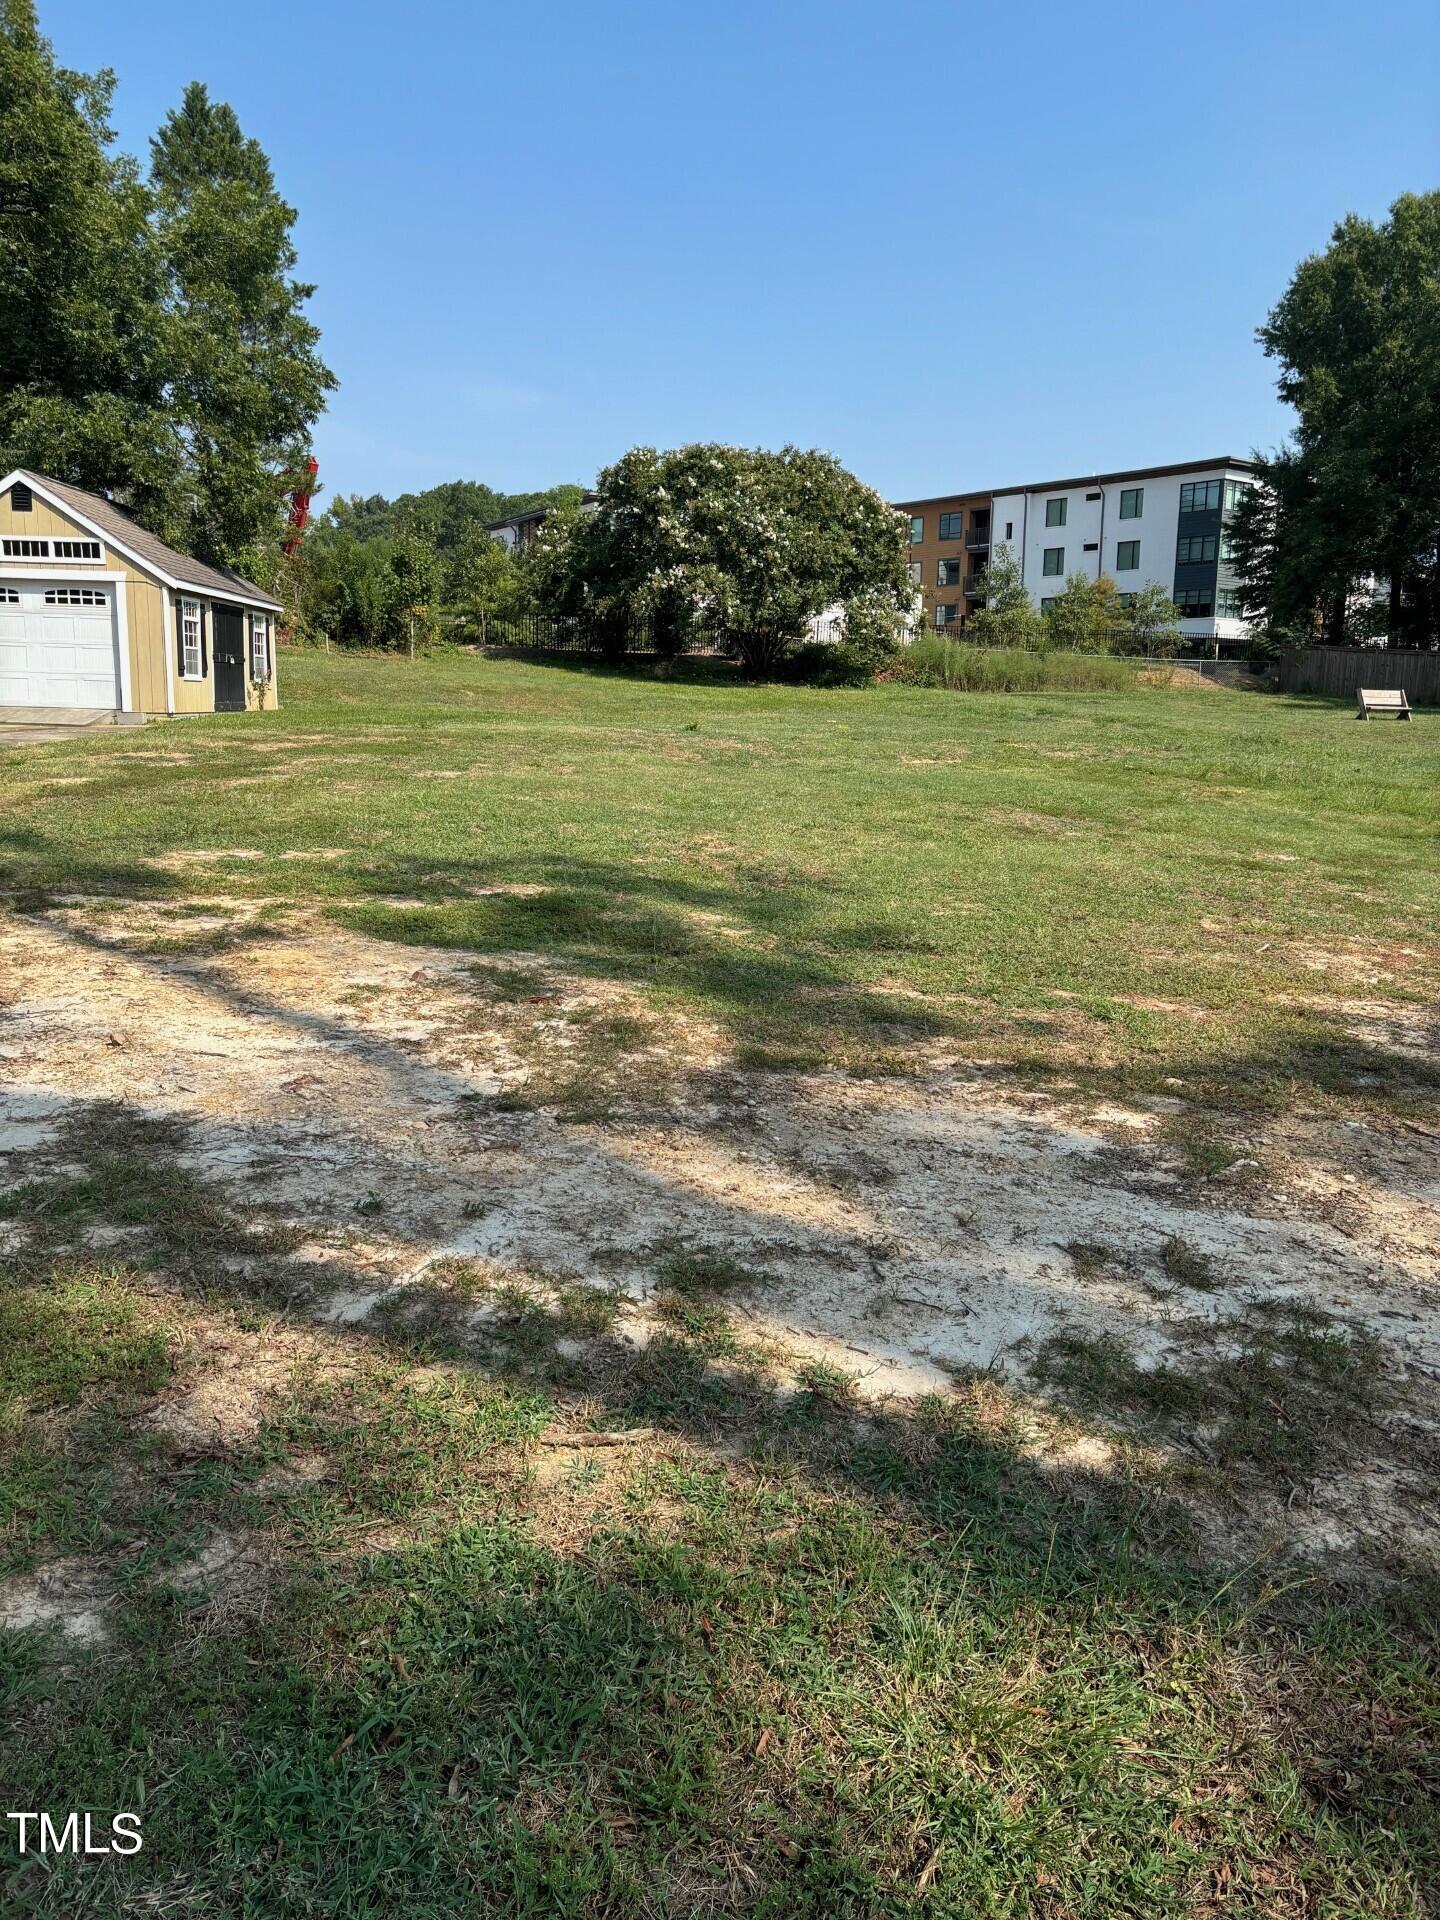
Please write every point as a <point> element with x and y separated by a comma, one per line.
<point>1153,524</point>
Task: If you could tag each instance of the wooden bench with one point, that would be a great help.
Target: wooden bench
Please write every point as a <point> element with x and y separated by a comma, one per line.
<point>1382,700</point>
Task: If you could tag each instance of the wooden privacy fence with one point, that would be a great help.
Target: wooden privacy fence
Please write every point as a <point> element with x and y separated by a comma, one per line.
<point>1338,671</point>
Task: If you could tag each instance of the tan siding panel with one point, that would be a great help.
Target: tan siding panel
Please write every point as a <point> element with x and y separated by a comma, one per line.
<point>44,523</point>
<point>145,606</point>
<point>197,696</point>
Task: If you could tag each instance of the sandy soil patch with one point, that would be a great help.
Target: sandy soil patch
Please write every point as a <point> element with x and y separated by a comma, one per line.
<point>1182,679</point>
<point>905,1231</point>
<point>70,1595</point>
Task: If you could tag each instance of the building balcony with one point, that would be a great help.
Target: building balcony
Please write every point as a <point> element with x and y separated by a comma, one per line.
<point>978,540</point>
<point>975,587</point>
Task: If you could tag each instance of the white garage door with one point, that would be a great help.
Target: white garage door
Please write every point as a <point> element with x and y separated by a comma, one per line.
<point>57,646</point>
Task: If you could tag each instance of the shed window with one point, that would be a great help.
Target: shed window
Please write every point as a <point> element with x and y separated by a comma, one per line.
<point>21,498</point>
<point>75,597</point>
<point>16,549</point>
<point>9,596</point>
<point>260,648</point>
<point>77,549</point>
<point>192,658</point>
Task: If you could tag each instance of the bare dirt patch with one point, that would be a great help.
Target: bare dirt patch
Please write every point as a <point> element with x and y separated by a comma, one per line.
<point>70,1596</point>
<point>407,1110</point>
<point>1180,679</point>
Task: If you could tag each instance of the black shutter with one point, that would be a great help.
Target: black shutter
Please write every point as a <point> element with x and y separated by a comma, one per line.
<point>204,639</point>
<point>179,636</point>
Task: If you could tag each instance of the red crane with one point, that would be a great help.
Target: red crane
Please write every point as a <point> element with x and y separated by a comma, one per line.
<point>300,504</point>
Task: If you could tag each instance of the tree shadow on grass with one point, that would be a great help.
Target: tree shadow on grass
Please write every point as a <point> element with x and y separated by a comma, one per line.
<point>817,1670</point>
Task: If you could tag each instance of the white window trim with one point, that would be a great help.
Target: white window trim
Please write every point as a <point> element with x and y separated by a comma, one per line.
<point>75,596</point>
<point>50,558</point>
<point>260,631</point>
<point>183,606</point>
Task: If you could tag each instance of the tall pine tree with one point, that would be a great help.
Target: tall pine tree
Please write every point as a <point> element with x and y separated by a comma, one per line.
<point>245,377</point>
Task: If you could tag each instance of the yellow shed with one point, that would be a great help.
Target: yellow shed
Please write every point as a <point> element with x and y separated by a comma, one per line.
<point>98,616</point>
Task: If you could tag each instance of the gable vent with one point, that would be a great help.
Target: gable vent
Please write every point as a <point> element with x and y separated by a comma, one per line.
<point>21,498</point>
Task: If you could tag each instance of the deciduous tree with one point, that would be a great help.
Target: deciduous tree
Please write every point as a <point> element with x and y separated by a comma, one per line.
<point>755,542</point>
<point>1152,625</point>
<point>1086,614</point>
<point>1356,496</point>
<point>1009,617</point>
<point>152,341</point>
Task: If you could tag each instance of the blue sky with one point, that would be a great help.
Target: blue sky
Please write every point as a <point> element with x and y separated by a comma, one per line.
<point>959,246</point>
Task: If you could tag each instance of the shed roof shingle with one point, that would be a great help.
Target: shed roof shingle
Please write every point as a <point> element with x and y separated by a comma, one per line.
<point>127,531</point>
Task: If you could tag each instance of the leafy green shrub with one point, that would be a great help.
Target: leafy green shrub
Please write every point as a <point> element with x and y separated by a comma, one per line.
<point>820,663</point>
<point>935,661</point>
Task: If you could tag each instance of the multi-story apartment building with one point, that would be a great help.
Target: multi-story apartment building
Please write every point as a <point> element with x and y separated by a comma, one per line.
<point>1163,525</point>
<point>949,550</point>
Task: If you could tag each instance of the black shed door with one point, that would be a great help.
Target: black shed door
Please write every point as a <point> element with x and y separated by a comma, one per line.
<point>229,649</point>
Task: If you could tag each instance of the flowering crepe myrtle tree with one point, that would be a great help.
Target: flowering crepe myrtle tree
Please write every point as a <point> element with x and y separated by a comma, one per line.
<point>754,542</point>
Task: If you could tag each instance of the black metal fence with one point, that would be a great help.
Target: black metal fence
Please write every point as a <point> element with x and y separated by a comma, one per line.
<point>539,633</point>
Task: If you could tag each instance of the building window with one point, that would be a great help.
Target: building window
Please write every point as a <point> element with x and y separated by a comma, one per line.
<point>1193,603</point>
<point>77,549</point>
<point>9,596</point>
<point>917,528</point>
<point>1009,529</point>
<point>1055,512</point>
<point>1229,604</point>
<point>1197,548</point>
<point>259,648</point>
<point>913,570</point>
<point>1200,496</point>
<point>947,573</point>
<point>952,526</point>
<point>1046,605</point>
<point>25,549</point>
<point>946,614</point>
<point>1127,601</point>
<point>1235,492</point>
<point>74,597</point>
<point>1127,556</point>
<point>192,656</point>
<point>1054,560</point>
<point>1132,502</point>
<point>21,498</point>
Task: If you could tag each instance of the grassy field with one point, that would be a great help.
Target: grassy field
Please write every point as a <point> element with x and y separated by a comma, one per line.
<point>412,1644</point>
<point>1132,884</point>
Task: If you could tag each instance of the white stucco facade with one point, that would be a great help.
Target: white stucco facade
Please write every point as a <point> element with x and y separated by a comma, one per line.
<point>1080,520</point>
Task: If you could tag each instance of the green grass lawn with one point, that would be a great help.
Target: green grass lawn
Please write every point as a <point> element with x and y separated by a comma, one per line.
<point>781,1656</point>
<point>1129,885</point>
